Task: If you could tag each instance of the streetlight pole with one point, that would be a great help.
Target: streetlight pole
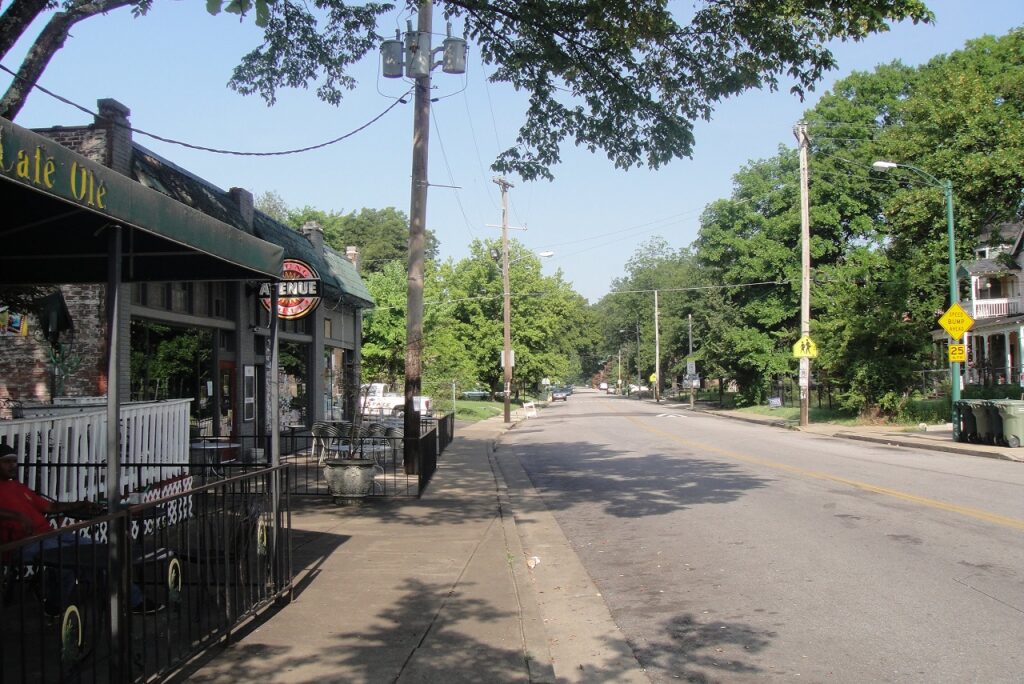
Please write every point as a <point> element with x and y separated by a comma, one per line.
<point>954,295</point>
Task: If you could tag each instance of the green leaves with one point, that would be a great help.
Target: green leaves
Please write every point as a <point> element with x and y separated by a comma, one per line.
<point>241,8</point>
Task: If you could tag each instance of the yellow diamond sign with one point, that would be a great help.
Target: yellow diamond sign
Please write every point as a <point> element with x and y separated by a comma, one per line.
<point>956,321</point>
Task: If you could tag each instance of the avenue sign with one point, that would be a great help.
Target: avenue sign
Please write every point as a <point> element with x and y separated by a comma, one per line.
<point>956,321</point>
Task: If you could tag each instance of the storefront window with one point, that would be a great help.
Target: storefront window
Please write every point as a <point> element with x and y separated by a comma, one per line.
<point>294,384</point>
<point>334,383</point>
<point>169,362</point>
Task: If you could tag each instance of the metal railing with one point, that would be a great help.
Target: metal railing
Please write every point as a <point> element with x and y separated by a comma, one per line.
<point>391,475</point>
<point>194,565</point>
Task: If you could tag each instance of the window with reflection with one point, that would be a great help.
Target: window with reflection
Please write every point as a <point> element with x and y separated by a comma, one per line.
<point>293,368</point>
<point>334,383</point>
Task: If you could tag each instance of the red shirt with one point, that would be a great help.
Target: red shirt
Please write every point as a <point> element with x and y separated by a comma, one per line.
<point>14,496</point>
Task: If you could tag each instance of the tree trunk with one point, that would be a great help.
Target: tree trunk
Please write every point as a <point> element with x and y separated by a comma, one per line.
<point>15,19</point>
<point>46,45</point>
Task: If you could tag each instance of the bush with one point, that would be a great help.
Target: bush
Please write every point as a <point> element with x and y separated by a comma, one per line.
<point>993,392</point>
<point>913,408</point>
<point>926,411</point>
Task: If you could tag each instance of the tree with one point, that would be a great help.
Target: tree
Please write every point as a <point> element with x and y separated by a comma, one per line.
<point>382,235</point>
<point>878,245</point>
<point>383,352</point>
<point>623,76</point>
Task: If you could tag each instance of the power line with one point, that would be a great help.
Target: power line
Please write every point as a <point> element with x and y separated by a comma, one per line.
<point>202,148</point>
<point>451,176</point>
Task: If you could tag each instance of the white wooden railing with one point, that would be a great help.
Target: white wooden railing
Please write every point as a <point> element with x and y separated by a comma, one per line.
<point>153,434</point>
<point>992,308</point>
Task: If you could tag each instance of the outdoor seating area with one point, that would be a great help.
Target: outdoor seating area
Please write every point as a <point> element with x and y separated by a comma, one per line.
<point>380,441</point>
<point>203,529</point>
<point>211,556</point>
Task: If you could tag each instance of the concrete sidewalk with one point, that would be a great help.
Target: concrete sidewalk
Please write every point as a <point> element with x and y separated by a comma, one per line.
<point>428,590</point>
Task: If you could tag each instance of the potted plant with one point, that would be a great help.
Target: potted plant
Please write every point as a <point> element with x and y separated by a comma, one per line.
<point>348,476</point>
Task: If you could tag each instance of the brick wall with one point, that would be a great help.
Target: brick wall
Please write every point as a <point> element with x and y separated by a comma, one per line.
<point>87,141</point>
<point>25,367</point>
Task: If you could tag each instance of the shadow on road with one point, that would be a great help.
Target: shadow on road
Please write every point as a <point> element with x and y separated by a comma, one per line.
<point>628,485</point>
<point>703,652</point>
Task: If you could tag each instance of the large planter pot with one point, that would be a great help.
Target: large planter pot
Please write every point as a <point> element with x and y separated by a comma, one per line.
<point>349,478</point>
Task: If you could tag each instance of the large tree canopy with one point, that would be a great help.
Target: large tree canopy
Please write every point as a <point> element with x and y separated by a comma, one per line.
<point>628,77</point>
<point>878,243</point>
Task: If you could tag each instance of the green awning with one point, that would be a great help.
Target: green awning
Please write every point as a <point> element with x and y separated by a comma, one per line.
<point>55,207</point>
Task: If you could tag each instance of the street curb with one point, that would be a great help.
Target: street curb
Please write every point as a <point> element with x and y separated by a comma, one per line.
<point>535,638</point>
<point>917,445</point>
<point>887,440</point>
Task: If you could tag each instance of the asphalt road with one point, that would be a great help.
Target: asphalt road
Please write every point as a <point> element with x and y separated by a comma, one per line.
<point>733,552</point>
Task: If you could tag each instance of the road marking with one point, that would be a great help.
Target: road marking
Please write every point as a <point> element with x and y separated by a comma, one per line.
<point>967,511</point>
<point>670,415</point>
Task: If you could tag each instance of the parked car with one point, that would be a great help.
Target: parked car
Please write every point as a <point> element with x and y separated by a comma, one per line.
<point>477,393</point>
<point>559,394</point>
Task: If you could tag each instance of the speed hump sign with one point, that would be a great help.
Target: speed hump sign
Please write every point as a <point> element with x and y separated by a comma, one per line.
<point>958,353</point>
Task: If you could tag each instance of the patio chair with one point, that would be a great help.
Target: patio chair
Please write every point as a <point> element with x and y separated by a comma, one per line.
<point>325,435</point>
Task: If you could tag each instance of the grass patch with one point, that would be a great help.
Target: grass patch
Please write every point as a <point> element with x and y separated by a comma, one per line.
<point>814,414</point>
<point>473,410</point>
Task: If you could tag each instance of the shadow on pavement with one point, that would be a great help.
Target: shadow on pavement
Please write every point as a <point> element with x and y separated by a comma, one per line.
<point>629,486</point>
<point>703,652</point>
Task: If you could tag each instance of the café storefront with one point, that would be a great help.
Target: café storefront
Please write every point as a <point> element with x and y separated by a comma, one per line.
<point>186,335</point>
<point>71,221</point>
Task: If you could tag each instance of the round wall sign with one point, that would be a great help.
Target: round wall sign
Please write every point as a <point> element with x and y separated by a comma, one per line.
<point>298,292</point>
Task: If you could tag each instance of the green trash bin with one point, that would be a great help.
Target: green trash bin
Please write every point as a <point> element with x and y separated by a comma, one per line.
<point>1012,413</point>
<point>968,423</point>
<point>958,421</point>
<point>994,435</point>
<point>983,418</point>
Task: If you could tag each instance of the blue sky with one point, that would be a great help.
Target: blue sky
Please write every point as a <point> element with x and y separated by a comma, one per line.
<point>170,68</point>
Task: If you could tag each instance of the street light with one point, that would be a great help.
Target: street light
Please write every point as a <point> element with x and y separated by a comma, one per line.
<point>506,357</point>
<point>947,189</point>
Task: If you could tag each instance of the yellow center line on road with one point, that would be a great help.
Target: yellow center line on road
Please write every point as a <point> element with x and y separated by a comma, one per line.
<point>967,511</point>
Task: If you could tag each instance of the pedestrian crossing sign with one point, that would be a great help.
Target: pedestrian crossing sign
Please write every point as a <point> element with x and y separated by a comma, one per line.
<point>805,348</point>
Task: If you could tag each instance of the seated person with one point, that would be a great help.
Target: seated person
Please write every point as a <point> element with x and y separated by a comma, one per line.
<point>22,514</point>
<point>22,511</point>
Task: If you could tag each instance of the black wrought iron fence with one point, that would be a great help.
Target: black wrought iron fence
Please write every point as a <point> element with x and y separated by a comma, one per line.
<point>380,441</point>
<point>193,566</point>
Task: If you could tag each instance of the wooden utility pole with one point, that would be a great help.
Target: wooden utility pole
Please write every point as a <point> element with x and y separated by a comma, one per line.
<point>506,354</point>
<point>417,230</point>
<point>657,353</point>
<point>805,279</point>
<point>689,377</point>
